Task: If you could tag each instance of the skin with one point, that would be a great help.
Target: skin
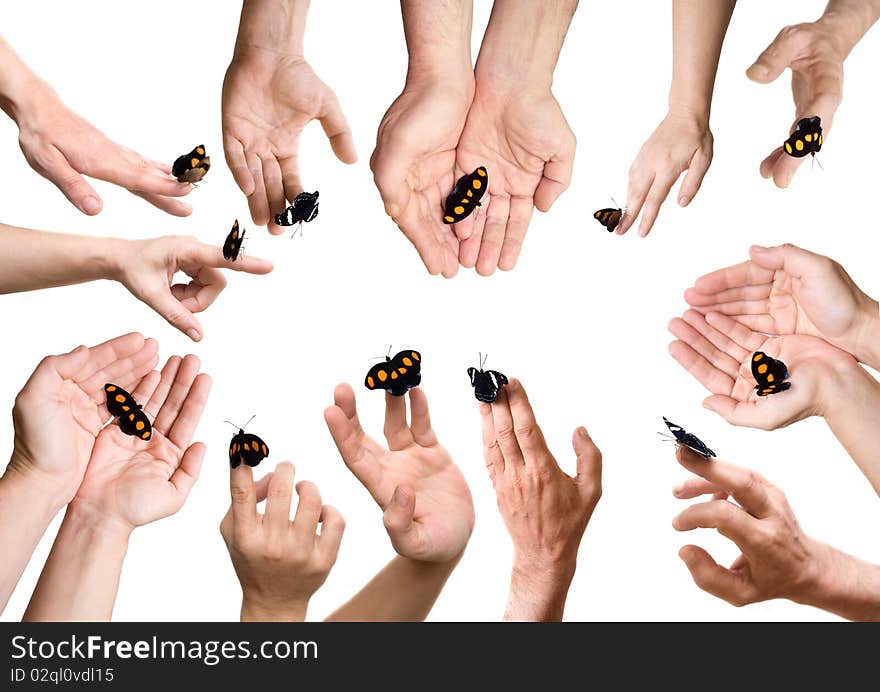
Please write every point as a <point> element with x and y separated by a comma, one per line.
<point>65,149</point>
<point>426,503</point>
<point>280,563</point>
<point>545,510</point>
<point>683,141</point>
<point>270,94</point>
<point>56,418</point>
<point>128,483</point>
<point>778,560</point>
<point>815,53</point>
<point>39,259</point>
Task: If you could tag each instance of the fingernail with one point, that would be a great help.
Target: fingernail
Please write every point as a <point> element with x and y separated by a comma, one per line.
<point>194,334</point>
<point>759,70</point>
<point>759,248</point>
<point>91,205</point>
<point>678,489</point>
<point>683,200</point>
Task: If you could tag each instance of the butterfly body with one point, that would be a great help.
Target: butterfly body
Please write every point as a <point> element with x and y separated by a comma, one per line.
<point>689,440</point>
<point>246,448</point>
<point>232,244</point>
<point>303,210</point>
<point>129,414</point>
<point>397,375</point>
<point>486,383</point>
<point>609,217</point>
<point>465,196</point>
<point>769,374</point>
<point>806,138</point>
<point>191,167</point>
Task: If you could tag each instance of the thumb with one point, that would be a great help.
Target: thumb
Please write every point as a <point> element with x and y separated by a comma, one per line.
<point>778,55</point>
<point>790,258</point>
<point>398,515</point>
<point>56,168</point>
<point>589,463</point>
<point>338,132</point>
<point>173,311</point>
<point>390,165</point>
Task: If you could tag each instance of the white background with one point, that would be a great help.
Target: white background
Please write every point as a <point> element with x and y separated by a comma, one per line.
<point>581,320</point>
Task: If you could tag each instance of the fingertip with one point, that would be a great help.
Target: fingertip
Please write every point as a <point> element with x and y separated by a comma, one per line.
<point>683,200</point>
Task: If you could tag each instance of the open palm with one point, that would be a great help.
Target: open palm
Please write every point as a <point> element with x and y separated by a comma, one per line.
<point>428,508</point>
<point>136,482</point>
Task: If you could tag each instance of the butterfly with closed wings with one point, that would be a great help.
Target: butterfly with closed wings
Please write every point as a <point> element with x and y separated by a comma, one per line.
<point>806,138</point>
<point>191,167</point>
<point>232,244</point>
<point>129,413</point>
<point>685,439</point>
<point>245,447</point>
<point>396,375</point>
<point>486,383</point>
<point>769,374</point>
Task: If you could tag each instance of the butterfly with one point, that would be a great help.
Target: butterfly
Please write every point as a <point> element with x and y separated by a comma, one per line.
<point>609,217</point>
<point>398,375</point>
<point>191,167</point>
<point>806,138</point>
<point>689,440</point>
<point>232,245</point>
<point>465,196</point>
<point>246,448</point>
<point>769,374</point>
<point>486,383</point>
<point>132,419</point>
<point>303,210</point>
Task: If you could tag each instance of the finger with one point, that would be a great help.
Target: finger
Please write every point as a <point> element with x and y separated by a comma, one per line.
<point>737,332</point>
<point>68,365</point>
<point>258,202</point>
<point>279,495</point>
<point>123,372</point>
<point>469,248</point>
<point>693,179</point>
<point>515,234</point>
<point>776,57</point>
<point>157,398</point>
<point>398,514</point>
<point>589,464</point>
<point>491,451</point>
<point>237,163</point>
<point>390,166</point>
<point>504,432</point>
<point>695,487</point>
<point>768,165</point>
<point>715,579</point>
<point>794,261</point>
<point>659,192</point>
<point>145,388</point>
<point>187,473</point>
<point>108,352</point>
<point>212,256</point>
<point>718,335</point>
<point>555,179</point>
<point>729,520</point>
<point>420,418</point>
<point>748,487</point>
<point>740,413</point>
<point>55,167</point>
<point>332,528</point>
<point>715,380</point>
<point>396,430</point>
<point>743,274</point>
<point>493,234</point>
<point>290,177</point>
<point>354,449</point>
<point>639,184</point>
<point>718,359</point>
<point>183,381</point>
<point>184,427</point>
<point>202,291</point>
<point>308,513</point>
<point>164,302</point>
<point>731,299</point>
<point>167,204</point>
<point>274,182</point>
<point>528,433</point>
<point>244,497</point>
<point>338,132</point>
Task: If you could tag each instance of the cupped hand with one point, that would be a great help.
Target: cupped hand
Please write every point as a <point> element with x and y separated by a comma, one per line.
<point>414,166</point>
<point>788,290</point>
<point>63,147</point>
<point>280,563</point>
<point>133,482</point>
<point>147,269</point>
<point>815,54</point>
<point>268,99</point>
<point>717,350</point>
<point>61,409</point>
<point>682,142</point>
<point>525,143</point>
<point>427,505</point>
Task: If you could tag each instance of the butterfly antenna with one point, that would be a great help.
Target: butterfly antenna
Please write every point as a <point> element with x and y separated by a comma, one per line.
<point>387,356</point>
<point>241,427</point>
<point>816,160</point>
<point>233,424</point>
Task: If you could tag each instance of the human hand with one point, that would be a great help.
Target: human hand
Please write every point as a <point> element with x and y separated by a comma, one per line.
<point>716,350</point>
<point>61,409</point>
<point>147,268</point>
<point>63,147</point>
<point>521,136</point>
<point>788,290</point>
<point>682,142</point>
<point>280,563</point>
<point>268,99</point>
<point>545,510</point>
<point>414,164</point>
<point>130,482</point>
<point>428,511</point>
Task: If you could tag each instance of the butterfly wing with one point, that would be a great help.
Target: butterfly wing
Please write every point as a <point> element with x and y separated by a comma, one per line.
<point>609,217</point>
<point>246,448</point>
<point>232,245</point>
<point>486,384</point>
<point>770,374</point>
<point>191,167</point>
<point>397,375</point>
<point>465,196</point>
<point>806,138</point>
<point>689,440</point>
<point>132,419</point>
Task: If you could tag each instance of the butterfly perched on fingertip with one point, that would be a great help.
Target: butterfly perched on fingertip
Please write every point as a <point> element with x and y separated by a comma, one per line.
<point>129,413</point>
<point>232,244</point>
<point>465,196</point>
<point>304,209</point>
<point>609,217</point>
<point>191,167</point>
<point>806,138</point>
<point>770,374</point>
<point>246,448</point>
<point>397,375</point>
<point>486,383</point>
<point>689,440</point>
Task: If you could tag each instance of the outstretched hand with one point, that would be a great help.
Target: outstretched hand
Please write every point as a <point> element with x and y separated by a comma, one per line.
<point>427,505</point>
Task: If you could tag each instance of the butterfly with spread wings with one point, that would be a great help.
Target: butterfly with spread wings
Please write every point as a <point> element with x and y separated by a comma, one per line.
<point>486,383</point>
<point>129,413</point>
<point>770,374</point>
<point>304,209</point>
<point>246,448</point>
<point>191,167</point>
<point>465,196</point>
<point>397,375</point>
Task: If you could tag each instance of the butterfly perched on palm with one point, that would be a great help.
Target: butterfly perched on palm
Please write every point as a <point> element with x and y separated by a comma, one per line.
<point>770,374</point>
<point>129,413</point>
<point>465,196</point>
<point>246,448</point>
<point>397,375</point>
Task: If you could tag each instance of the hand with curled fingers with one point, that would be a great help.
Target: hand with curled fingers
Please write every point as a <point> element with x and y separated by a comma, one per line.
<point>716,350</point>
<point>778,559</point>
<point>280,563</point>
<point>426,503</point>
<point>147,268</point>
<point>546,511</point>
<point>134,482</point>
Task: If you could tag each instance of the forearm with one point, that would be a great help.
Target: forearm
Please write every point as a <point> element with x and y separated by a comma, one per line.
<point>404,591</point>
<point>866,345</point>
<point>275,26</point>
<point>16,81</point>
<point>81,577</point>
<point>843,585</point>
<point>698,30</point>
<point>849,20</point>
<point>438,40</point>
<point>537,594</point>
<point>26,507</point>
<point>40,259</point>
<point>522,43</point>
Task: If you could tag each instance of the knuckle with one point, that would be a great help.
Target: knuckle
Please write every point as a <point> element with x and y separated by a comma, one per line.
<point>240,496</point>
<point>504,433</point>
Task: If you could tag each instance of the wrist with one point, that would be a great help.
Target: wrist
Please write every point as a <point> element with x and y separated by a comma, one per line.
<point>257,609</point>
<point>538,589</point>
<point>100,526</point>
<point>693,110</point>
<point>271,27</point>
<point>866,346</point>
<point>845,23</point>
<point>23,93</point>
<point>38,491</point>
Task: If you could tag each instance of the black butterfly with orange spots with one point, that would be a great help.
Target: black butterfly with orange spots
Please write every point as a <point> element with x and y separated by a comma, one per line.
<point>191,167</point>
<point>609,217</point>
<point>131,417</point>
<point>806,138</point>
<point>232,245</point>
<point>466,196</point>
<point>397,375</point>
<point>770,374</point>
<point>689,440</point>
